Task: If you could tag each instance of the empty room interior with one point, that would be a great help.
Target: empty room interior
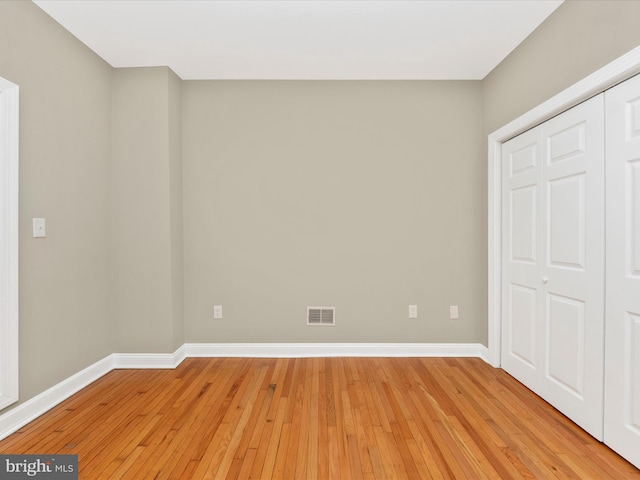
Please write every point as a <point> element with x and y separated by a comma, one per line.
<point>321,239</point>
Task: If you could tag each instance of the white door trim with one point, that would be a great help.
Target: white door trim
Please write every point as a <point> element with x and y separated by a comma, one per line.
<point>611,74</point>
<point>8,243</point>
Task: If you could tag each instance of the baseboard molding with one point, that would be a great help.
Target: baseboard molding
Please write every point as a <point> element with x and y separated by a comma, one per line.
<point>149,360</point>
<point>483,353</point>
<point>303,350</point>
<point>33,408</point>
<point>28,411</point>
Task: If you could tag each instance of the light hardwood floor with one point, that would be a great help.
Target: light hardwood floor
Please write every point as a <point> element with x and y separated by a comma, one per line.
<point>317,418</point>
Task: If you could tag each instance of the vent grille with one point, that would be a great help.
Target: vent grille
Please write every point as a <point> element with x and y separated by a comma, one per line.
<point>321,316</point>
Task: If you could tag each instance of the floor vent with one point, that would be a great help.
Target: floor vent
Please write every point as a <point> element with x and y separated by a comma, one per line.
<point>325,316</point>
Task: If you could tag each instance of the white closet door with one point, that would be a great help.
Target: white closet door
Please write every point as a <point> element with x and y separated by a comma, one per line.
<point>521,257</point>
<point>553,262</point>
<point>622,363</point>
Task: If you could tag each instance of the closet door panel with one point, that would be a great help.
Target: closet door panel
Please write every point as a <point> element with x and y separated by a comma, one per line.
<point>622,360</point>
<point>522,329</point>
<point>553,256</point>
<point>573,271</point>
<point>633,173</point>
<point>566,221</point>
<point>521,299</point>
<point>565,352</point>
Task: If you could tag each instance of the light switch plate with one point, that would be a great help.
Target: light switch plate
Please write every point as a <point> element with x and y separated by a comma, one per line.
<point>413,311</point>
<point>39,228</point>
<point>217,312</point>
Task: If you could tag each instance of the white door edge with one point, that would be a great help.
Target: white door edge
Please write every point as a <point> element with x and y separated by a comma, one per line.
<point>620,69</point>
<point>8,243</point>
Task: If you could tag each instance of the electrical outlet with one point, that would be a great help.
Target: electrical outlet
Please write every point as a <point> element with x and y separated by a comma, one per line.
<point>413,311</point>
<point>453,312</point>
<point>217,312</point>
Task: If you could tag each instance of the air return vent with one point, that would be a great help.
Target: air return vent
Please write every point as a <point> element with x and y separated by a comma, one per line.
<point>324,316</point>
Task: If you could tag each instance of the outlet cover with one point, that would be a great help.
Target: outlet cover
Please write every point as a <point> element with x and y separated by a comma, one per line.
<point>39,228</point>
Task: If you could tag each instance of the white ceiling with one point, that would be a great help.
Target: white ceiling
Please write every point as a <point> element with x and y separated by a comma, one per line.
<point>304,39</point>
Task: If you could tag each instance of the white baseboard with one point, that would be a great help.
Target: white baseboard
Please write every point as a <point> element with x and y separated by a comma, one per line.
<point>28,411</point>
<point>483,353</point>
<point>33,408</point>
<point>302,350</point>
<point>149,360</point>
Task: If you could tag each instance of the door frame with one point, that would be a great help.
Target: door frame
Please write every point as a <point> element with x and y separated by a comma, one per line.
<point>615,72</point>
<point>9,180</point>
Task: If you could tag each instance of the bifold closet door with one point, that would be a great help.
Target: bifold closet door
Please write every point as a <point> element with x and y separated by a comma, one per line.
<point>622,352</point>
<point>553,262</point>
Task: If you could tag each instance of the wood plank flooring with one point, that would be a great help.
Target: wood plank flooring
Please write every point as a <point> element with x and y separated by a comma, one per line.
<point>317,418</point>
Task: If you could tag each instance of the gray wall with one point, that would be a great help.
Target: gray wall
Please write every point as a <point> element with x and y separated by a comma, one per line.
<point>359,195</point>
<point>576,40</point>
<point>146,210</point>
<point>176,208</point>
<point>65,111</point>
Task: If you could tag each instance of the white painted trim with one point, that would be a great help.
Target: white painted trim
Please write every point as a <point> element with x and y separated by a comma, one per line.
<point>26,412</point>
<point>31,409</point>
<point>307,350</point>
<point>149,360</point>
<point>9,182</point>
<point>613,73</point>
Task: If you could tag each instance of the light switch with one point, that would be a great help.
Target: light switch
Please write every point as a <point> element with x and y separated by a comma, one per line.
<point>39,229</point>
<point>217,312</point>
<point>413,311</point>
